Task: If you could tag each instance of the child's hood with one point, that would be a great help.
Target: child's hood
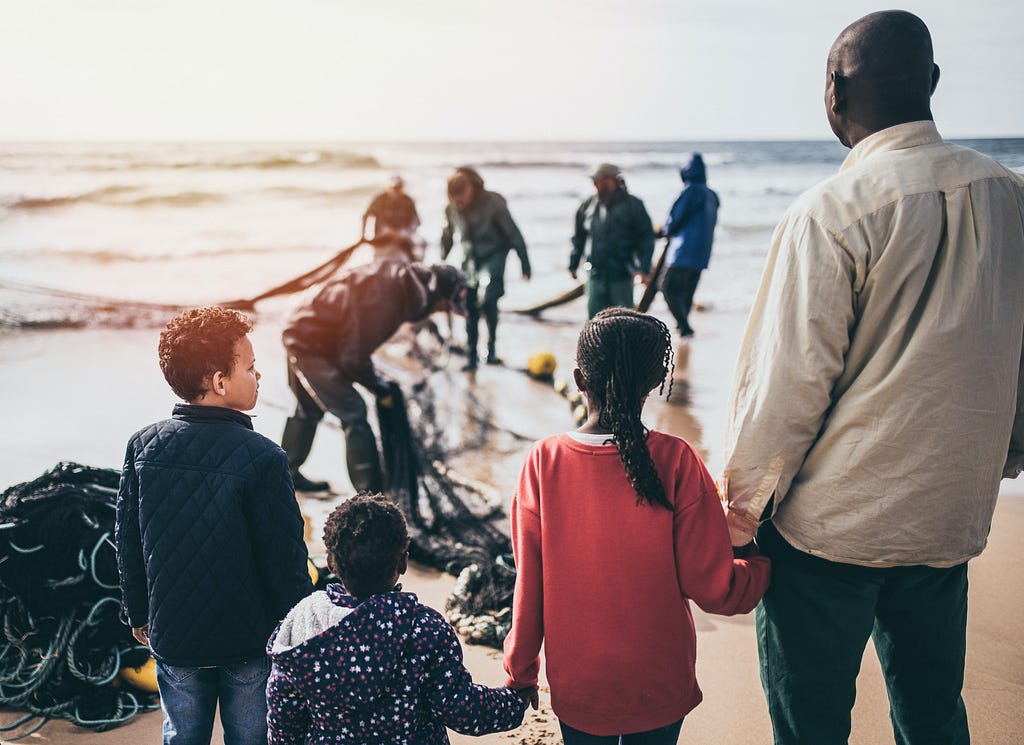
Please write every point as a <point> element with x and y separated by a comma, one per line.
<point>357,644</point>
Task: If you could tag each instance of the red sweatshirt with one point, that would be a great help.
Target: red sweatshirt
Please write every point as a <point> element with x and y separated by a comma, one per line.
<point>605,582</point>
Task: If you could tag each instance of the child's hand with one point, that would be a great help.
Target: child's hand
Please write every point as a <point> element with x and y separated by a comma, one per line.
<point>529,697</point>
<point>141,634</point>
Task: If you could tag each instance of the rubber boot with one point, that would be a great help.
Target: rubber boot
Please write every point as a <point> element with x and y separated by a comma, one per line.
<point>491,317</point>
<point>472,338</point>
<point>362,458</point>
<point>297,441</point>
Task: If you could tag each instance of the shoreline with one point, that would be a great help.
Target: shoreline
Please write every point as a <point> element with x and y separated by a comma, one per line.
<point>79,395</point>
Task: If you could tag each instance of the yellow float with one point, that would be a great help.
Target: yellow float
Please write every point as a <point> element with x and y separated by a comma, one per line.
<point>142,677</point>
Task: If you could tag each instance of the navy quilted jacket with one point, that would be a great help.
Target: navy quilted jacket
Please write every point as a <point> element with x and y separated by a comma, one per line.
<point>383,669</point>
<point>209,537</point>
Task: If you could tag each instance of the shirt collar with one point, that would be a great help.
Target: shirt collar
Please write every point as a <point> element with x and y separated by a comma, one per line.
<point>898,137</point>
<point>195,412</point>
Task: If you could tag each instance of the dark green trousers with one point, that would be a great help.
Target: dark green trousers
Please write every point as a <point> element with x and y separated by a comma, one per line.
<point>813,626</point>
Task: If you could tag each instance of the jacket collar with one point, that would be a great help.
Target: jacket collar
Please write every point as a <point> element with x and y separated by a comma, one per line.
<point>898,137</point>
<point>194,413</point>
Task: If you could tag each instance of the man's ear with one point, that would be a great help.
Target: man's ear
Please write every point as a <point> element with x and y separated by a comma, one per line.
<point>935,77</point>
<point>837,92</point>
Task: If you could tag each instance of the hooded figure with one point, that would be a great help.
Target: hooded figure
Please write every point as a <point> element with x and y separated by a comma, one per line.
<point>331,337</point>
<point>690,229</point>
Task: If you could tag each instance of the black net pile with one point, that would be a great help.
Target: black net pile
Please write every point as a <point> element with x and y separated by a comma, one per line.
<point>452,525</point>
<point>63,641</point>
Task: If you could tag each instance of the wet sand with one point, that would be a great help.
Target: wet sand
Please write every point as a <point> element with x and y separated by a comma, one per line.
<point>79,394</point>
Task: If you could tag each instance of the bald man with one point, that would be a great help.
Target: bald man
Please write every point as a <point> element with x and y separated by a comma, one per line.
<point>878,401</point>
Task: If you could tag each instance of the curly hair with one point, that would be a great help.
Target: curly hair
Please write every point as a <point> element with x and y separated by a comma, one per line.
<point>624,355</point>
<point>197,343</point>
<point>367,538</point>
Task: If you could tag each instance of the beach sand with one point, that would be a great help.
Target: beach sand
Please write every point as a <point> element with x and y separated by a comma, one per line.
<point>79,394</point>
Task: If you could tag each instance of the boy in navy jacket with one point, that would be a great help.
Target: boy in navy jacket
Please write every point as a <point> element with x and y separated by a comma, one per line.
<point>209,537</point>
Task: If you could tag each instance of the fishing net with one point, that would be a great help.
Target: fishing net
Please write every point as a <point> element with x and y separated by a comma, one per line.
<point>63,641</point>
<point>453,526</point>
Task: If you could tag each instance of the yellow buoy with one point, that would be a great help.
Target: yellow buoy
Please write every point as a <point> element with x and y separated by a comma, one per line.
<point>142,677</point>
<point>314,573</point>
<point>541,365</point>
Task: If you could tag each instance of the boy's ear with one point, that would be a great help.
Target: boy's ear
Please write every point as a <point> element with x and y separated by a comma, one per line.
<point>403,564</point>
<point>217,383</point>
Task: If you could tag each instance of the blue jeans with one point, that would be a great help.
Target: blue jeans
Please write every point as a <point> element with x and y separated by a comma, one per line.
<point>189,696</point>
<point>667,735</point>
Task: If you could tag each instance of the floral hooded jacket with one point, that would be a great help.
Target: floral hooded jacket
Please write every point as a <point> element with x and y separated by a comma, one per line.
<point>382,669</point>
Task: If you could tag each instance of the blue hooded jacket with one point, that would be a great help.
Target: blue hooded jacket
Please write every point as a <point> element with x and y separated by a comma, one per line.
<point>690,226</point>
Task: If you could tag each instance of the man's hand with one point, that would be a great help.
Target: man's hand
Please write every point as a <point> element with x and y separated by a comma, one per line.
<point>141,634</point>
<point>572,273</point>
<point>741,527</point>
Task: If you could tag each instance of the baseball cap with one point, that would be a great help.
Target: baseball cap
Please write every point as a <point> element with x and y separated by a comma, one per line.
<point>605,170</point>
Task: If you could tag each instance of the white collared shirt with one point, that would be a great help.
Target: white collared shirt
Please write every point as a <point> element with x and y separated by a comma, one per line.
<point>877,382</point>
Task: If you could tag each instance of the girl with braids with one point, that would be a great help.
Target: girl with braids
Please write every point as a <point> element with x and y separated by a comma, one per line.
<point>615,528</point>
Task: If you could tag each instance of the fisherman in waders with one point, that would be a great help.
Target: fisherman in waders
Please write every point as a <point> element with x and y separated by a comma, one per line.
<point>330,339</point>
<point>487,233</point>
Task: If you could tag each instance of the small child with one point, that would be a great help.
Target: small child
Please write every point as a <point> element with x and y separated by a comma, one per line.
<point>209,537</point>
<point>368,663</point>
<point>615,528</point>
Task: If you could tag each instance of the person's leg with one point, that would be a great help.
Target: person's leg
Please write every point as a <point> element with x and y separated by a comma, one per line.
<point>667,735</point>
<point>188,696</point>
<point>920,635</point>
<point>472,327</point>
<point>300,429</point>
<point>336,394</point>
<point>243,701</point>
<point>620,294</point>
<point>812,628</point>
<point>495,274</point>
<point>597,295</point>
<point>571,736</point>
<point>678,286</point>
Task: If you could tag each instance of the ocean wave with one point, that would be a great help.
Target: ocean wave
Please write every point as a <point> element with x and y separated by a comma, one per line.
<point>120,196</point>
<point>114,255</point>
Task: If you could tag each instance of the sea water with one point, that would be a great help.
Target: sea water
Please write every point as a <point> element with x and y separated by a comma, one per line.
<point>192,223</point>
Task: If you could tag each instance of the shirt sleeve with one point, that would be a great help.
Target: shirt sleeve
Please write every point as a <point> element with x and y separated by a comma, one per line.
<point>579,236</point>
<point>447,234</point>
<point>465,706</point>
<point>792,353</point>
<point>131,566</point>
<point>1015,456</point>
<point>708,573</point>
<point>644,246</point>
<point>522,645</point>
<point>287,711</point>
<point>275,524</point>
<point>686,206</point>
<point>512,234</point>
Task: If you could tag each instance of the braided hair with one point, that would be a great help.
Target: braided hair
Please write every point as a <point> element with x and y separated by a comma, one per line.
<point>624,355</point>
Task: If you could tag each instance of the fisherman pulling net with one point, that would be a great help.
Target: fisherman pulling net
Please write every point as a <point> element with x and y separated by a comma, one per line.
<point>64,643</point>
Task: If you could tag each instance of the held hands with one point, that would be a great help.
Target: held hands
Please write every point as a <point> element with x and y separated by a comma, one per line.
<point>529,697</point>
<point>741,527</point>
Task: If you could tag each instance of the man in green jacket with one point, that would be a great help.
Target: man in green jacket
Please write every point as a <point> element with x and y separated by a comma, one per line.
<point>621,241</point>
<point>487,233</point>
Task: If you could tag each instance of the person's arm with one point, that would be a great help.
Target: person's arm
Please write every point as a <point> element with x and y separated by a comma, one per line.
<point>447,234</point>
<point>1015,455</point>
<point>644,238</point>
<point>275,527</point>
<point>709,574</point>
<point>685,207</point>
<point>131,565</point>
<point>579,238</point>
<point>465,706</point>
<point>522,645</point>
<point>287,711</point>
<point>512,234</point>
<point>792,353</point>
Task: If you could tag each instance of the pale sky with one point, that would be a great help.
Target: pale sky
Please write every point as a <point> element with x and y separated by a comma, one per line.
<point>471,69</point>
